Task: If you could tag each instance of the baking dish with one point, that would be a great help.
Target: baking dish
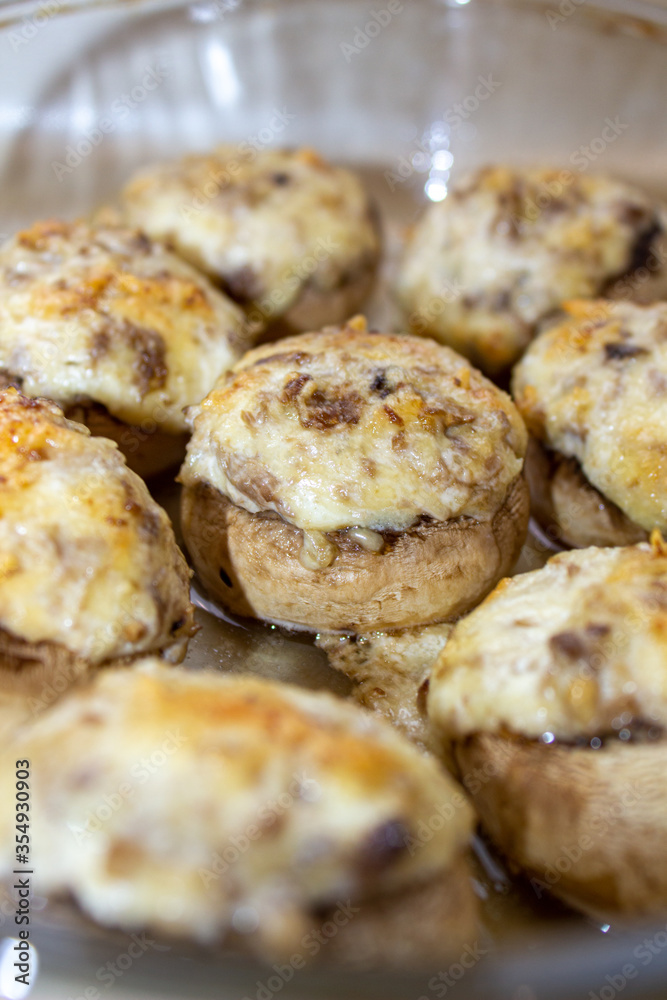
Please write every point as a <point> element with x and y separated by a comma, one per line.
<point>408,93</point>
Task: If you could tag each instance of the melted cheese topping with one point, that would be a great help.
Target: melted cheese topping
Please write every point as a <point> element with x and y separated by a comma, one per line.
<point>87,558</point>
<point>104,314</point>
<point>230,797</point>
<point>347,428</point>
<point>507,246</point>
<point>265,224</point>
<point>595,388</point>
<point>576,649</point>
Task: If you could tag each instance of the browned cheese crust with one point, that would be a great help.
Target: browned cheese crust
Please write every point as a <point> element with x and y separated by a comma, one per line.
<point>242,807</point>
<point>354,481</point>
<point>593,391</point>
<point>493,260</point>
<point>290,237</point>
<point>90,572</point>
<point>117,330</point>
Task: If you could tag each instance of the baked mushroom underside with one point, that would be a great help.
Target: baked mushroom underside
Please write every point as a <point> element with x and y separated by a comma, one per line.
<point>148,450</point>
<point>254,564</point>
<point>588,825</point>
<point>569,508</point>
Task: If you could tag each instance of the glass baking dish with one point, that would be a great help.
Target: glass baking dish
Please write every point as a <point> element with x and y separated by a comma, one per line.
<point>408,92</point>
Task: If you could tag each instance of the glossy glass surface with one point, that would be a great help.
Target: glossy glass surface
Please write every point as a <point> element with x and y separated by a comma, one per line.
<point>410,93</point>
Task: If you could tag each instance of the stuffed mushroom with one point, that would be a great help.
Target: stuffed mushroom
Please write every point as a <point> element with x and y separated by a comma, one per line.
<point>290,237</point>
<point>593,392</point>
<point>350,480</point>
<point>246,811</point>
<point>90,573</point>
<point>551,698</point>
<point>117,330</point>
<point>485,267</point>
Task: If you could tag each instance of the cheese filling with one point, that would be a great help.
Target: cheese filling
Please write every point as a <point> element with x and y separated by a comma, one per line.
<point>104,314</point>
<point>348,429</point>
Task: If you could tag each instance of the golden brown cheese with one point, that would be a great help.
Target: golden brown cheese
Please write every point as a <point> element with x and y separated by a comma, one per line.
<point>88,560</point>
<point>348,428</point>
<point>594,388</point>
<point>574,650</point>
<point>508,245</point>
<point>104,314</point>
<point>199,804</point>
<point>265,224</point>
